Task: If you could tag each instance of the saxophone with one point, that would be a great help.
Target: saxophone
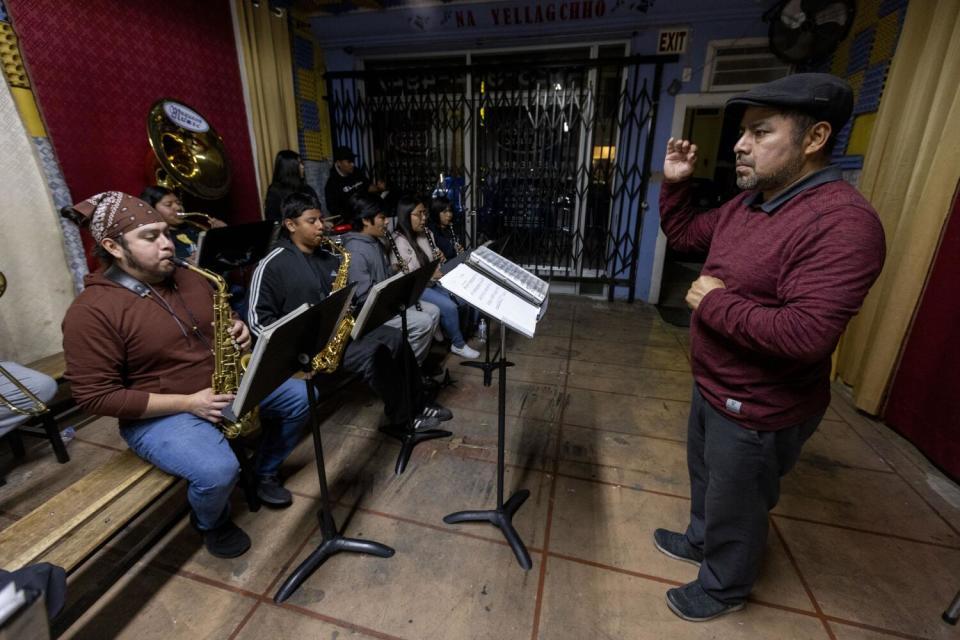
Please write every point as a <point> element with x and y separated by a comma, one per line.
<point>329,358</point>
<point>229,364</point>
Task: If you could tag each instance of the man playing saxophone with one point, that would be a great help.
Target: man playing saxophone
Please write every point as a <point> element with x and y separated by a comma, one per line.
<point>138,345</point>
<point>301,268</point>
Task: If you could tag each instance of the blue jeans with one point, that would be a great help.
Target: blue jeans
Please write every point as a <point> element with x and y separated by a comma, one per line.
<point>189,447</point>
<point>449,313</point>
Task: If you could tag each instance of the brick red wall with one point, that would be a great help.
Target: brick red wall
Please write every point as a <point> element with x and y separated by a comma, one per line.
<point>98,65</point>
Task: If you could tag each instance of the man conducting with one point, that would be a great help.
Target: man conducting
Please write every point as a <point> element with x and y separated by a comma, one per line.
<point>300,270</point>
<point>789,262</point>
<point>138,346</point>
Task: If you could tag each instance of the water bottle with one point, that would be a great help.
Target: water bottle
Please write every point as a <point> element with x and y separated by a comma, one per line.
<point>482,331</point>
<point>68,434</point>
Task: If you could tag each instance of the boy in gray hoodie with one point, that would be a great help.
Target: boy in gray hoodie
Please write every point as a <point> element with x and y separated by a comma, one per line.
<point>369,265</point>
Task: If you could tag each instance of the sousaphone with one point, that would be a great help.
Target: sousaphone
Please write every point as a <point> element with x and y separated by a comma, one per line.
<point>189,154</point>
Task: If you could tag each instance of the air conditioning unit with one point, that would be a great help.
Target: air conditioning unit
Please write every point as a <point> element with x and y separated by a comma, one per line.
<point>735,65</point>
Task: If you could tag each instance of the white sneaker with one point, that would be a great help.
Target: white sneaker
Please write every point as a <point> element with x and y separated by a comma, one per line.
<point>465,352</point>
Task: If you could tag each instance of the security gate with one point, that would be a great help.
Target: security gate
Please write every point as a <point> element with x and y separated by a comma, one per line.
<point>547,151</point>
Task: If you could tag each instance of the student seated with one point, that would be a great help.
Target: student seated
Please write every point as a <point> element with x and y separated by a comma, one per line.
<point>138,346</point>
<point>413,246</point>
<point>300,270</point>
<point>369,265</point>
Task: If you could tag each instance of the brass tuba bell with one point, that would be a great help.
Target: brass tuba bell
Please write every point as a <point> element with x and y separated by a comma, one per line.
<point>189,155</point>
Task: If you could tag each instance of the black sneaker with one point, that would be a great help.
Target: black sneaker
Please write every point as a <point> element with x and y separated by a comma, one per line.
<point>425,423</point>
<point>692,603</point>
<point>226,541</point>
<point>677,546</point>
<point>272,493</point>
<point>434,410</point>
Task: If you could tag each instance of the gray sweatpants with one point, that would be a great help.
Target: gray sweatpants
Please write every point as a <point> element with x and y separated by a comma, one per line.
<point>734,482</point>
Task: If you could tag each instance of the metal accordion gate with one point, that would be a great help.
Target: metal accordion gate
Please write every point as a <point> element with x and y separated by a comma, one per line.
<point>551,154</point>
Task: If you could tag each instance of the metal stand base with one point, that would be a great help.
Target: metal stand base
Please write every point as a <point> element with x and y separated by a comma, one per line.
<point>332,542</point>
<point>409,439</point>
<point>502,516</point>
<point>952,614</point>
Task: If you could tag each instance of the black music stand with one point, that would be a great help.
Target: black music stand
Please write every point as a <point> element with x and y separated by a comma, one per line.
<point>291,348</point>
<point>502,516</point>
<point>238,245</point>
<point>393,297</point>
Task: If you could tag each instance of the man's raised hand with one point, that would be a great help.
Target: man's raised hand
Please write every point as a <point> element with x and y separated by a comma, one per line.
<point>680,161</point>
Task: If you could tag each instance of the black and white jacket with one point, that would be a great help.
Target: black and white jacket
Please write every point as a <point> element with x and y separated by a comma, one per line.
<point>285,279</point>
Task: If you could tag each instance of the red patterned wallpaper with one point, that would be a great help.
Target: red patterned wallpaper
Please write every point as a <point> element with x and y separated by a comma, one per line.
<point>98,65</point>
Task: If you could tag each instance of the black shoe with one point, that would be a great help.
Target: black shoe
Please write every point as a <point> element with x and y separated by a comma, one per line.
<point>425,423</point>
<point>226,541</point>
<point>692,603</point>
<point>434,410</point>
<point>272,493</point>
<point>677,546</point>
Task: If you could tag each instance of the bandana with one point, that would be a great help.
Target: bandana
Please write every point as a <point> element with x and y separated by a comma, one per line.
<point>112,213</point>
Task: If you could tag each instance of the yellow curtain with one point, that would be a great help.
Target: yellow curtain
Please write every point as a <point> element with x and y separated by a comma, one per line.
<point>910,174</point>
<point>263,40</point>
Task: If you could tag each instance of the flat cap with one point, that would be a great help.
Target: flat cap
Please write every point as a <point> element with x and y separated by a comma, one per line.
<point>823,96</point>
<point>343,153</point>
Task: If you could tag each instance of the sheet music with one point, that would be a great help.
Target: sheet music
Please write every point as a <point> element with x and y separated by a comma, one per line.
<point>513,275</point>
<point>492,299</point>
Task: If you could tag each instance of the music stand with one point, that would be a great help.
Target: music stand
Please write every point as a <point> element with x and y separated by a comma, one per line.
<point>311,331</point>
<point>521,316</point>
<point>239,245</point>
<point>502,516</point>
<point>393,297</point>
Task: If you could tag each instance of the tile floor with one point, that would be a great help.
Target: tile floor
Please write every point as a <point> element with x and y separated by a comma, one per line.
<point>865,542</point>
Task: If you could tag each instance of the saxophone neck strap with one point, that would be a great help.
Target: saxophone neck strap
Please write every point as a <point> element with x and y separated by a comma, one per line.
<point>115,274</point>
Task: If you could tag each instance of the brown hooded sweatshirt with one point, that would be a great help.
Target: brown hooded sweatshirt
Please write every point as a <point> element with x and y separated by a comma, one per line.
<point>121,347</point>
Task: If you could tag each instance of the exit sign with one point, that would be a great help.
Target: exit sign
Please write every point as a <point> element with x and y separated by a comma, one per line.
<point>673,41</point>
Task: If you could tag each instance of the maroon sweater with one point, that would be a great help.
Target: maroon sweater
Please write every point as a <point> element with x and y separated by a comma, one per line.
<point>796,269</point>
<point>120,347</point>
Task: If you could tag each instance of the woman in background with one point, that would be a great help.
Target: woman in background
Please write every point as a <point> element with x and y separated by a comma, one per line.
<point>288,176</point>
<point>441,224</point>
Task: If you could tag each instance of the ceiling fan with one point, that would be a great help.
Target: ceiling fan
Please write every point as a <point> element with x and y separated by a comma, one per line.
<point>808,31</point>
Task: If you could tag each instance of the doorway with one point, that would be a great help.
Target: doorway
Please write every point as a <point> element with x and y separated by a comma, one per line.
<point>699,118</point>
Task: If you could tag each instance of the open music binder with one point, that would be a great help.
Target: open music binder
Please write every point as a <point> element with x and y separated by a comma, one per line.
<point>386,296</point>
<point>497,295</point>
<point>306,329</point>
<point>238,245</point>
<point>509,274</point>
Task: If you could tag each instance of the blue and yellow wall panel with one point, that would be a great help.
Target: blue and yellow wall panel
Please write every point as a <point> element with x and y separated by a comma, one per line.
<point>863,59</point>
<point>309,86</point>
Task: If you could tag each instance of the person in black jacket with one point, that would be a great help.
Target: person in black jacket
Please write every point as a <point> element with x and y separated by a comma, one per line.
<point>299,270</point>
<point>287,178</point>
<point>347,180</point>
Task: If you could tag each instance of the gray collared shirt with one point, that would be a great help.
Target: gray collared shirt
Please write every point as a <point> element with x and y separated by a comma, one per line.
<point>821,176</point>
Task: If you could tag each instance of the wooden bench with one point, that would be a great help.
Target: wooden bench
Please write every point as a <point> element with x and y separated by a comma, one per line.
<point>76,522</point>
